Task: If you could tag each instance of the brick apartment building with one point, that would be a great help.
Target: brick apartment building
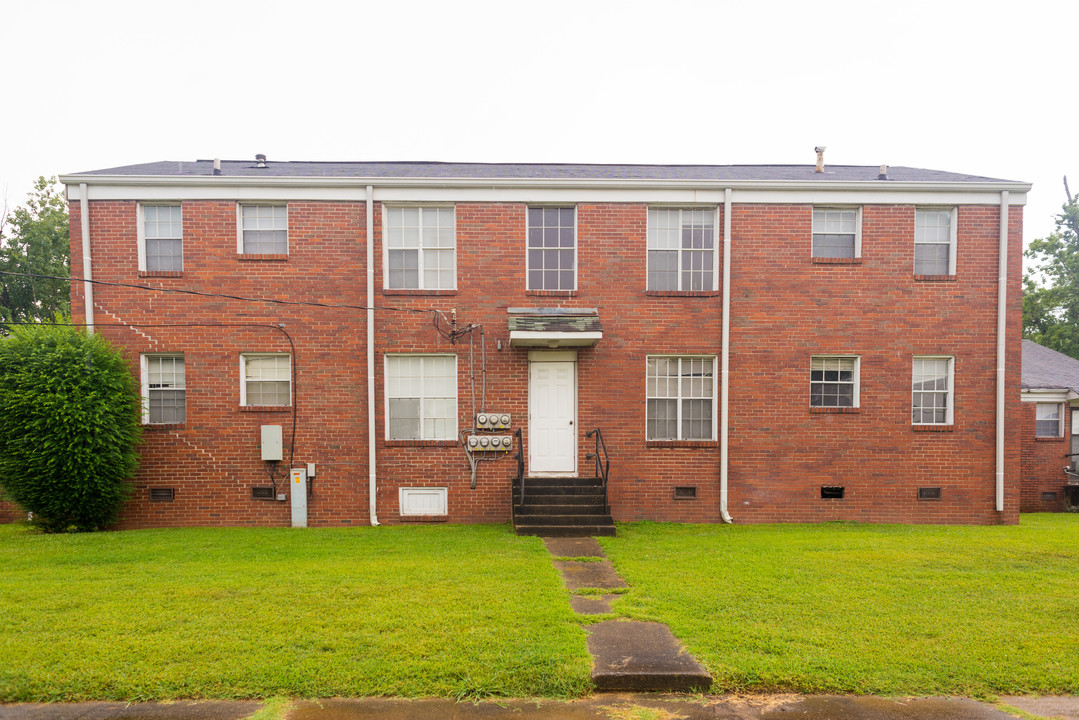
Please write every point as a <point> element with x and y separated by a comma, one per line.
<point>1050,430</point>
<point>755,343</point>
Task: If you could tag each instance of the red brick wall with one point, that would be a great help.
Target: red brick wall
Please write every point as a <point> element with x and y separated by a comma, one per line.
<point>1043,460</point>
<point>784,309</point>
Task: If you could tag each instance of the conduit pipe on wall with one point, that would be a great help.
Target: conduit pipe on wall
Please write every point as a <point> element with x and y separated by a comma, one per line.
<point>372,485</point>
<point>1002,327</point>
<point>725,370</point>
<point>87,287</point>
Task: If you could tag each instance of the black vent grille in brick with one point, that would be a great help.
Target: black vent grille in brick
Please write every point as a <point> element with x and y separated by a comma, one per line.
<point>929,493</point>
<point>160,494</point>
<point>262,493</point>
<point>685,492</point>
<point>832,492</point>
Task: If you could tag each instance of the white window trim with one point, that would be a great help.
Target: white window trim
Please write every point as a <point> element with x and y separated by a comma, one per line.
<point>140,224</point>
<point>857,379</point>
<point>953,233</point>
<point>716,248</point>
<point>1060,419</point>
<point>576,246</point>
<point>144,368</point>
<point>386,396</point>
<point>949,414</point>
<point>240,225</point>
<point>857,226</point>
<point>715,400</point>
<point>243,376</point>
<point>386,207</point>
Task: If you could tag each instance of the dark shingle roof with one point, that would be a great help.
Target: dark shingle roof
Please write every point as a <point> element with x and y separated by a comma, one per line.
<point>1048,369</point>
<point>537,171</point>
<point>582,320</point>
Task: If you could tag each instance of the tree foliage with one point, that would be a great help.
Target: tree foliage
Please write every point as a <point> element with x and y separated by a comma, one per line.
<point>34,240</point>
<point>1051,286</point>
<point>69,422</point>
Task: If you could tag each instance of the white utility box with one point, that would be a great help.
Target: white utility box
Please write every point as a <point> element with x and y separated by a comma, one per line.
<point>298,493</point>
<point>271,442</point>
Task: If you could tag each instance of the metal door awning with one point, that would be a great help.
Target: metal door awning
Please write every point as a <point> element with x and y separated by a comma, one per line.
<point>554,327</point>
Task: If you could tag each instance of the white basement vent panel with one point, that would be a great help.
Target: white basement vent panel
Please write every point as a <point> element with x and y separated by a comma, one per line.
<point>423,501</point>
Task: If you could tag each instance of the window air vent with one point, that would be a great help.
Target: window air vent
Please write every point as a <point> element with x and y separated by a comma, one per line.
<point>162,494</point>
<point>1049,496</point>
<point>832,492</point>
<point>685,492</point>
<point>262,493</point>
<point>929,493</point>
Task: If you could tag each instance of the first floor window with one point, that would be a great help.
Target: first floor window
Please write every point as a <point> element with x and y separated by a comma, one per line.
<point>266,379</point>
<point>420,247</point>
<point>164,389</point>
<point>552,254</point>
<point>934,234</point>
<point>833,382</point>
<point>264,229</point>
<point>162,238</point>
<point>932,391</point>
<point>421,397</point>
<point>681,249</point>
<point>835,232</point>
<point>1047,421</point>
<point>680,398</point>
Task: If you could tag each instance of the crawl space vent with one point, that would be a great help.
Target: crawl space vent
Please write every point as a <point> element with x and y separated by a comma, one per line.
<point>262,493</point>
<point>685,492</point>
<point>162,494</point>
<point>832,492</point>
<point>1049,496</point>
<point>929,493</point>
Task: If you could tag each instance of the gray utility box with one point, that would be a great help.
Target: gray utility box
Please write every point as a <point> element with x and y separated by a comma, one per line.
<point>271,442</point>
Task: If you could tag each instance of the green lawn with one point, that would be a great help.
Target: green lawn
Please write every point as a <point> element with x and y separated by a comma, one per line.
<point>411,611</point>
<point>852,608</point>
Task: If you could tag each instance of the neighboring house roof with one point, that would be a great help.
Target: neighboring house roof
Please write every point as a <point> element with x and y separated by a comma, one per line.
<point>1045,369</point>
<point>539,171</point>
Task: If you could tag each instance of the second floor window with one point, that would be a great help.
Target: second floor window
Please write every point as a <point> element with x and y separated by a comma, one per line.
<point>264,229</point>
<point>162,238</point>
<point>681,249</point>
<point>836,233</point>
<point>552,248</point>
<point>420,248</point>
<point>934,236</point>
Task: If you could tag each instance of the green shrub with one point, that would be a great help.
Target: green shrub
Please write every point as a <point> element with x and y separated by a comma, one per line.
<point>69,422</point>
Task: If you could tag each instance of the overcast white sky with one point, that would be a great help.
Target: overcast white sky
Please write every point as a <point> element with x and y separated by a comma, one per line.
<point>985,88</point>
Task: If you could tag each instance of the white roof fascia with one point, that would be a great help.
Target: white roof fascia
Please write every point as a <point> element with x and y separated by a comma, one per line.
<point>101,187</point>
<point>543,338</point>
<point>1057,395</point>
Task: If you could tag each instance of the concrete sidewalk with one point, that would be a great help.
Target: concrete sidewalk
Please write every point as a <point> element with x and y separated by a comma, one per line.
<point>602,706</point>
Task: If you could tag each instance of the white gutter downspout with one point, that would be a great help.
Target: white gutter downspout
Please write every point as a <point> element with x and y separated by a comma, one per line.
<point>1002,326</point>
<point>371,474</point>
<point>87,287</point>
<point>724,401</point>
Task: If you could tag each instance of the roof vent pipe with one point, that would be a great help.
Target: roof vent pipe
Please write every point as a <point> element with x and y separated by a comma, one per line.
<point>260,160</point>
<point>820,157</point>
<point>217,166</point>
<point>883,173</point>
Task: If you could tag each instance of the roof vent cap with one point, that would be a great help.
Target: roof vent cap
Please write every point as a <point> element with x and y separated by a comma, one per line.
<point>883,175</point>
<point>260,160</point>
<point>820,157</point>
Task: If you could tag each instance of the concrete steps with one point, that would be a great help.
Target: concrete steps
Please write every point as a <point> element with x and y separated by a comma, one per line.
<point>562,507</point>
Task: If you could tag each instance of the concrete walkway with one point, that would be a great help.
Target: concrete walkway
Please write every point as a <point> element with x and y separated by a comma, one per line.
<point>598,707</point>
<point>626,655</point>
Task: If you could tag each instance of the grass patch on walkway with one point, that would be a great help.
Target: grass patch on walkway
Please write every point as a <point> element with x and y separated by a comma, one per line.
<point>851,608</point>
<point>451,611</point>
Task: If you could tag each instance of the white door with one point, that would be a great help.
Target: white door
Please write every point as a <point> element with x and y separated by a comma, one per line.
<point>552,410</point>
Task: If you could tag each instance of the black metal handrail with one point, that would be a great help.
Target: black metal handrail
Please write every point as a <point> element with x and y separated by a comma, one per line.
<point>603,465</point>
<point>520,463</point>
